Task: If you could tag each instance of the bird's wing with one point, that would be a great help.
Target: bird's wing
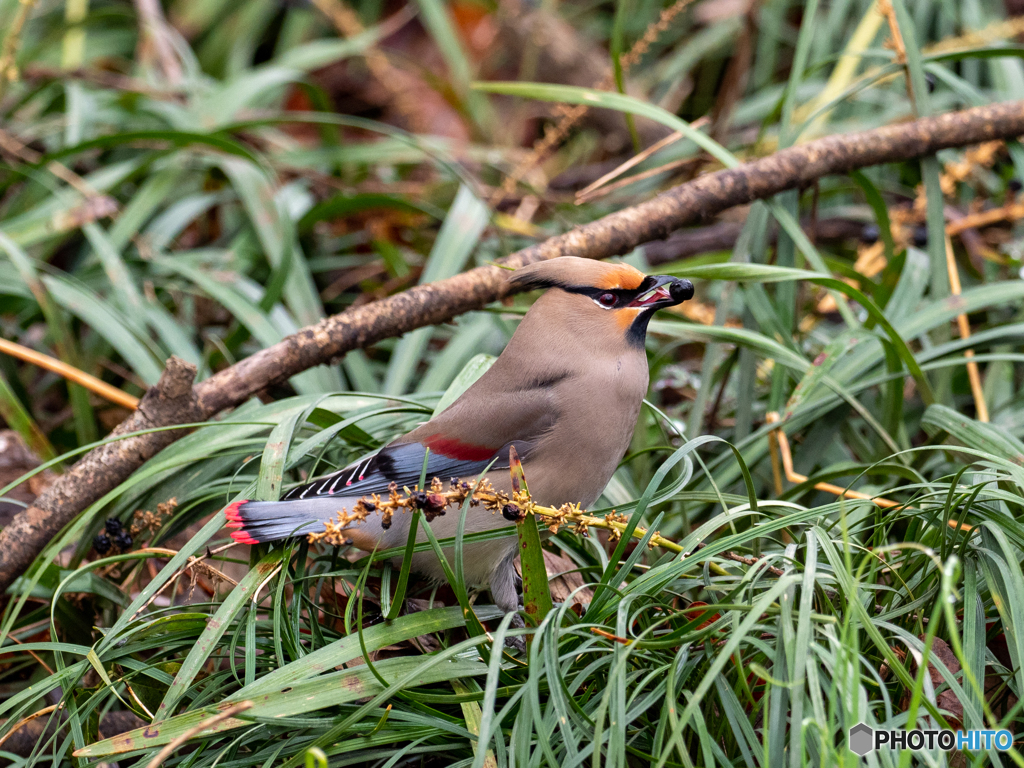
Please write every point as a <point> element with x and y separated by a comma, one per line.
<point>307,507</point>
<point>402,464</point>
<point>463,440</point>
<point>474,433</point>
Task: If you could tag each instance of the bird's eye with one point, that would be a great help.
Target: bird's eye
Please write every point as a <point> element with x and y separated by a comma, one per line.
<point>607,300</point>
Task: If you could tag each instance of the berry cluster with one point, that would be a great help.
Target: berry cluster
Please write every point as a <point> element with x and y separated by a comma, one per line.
<point>115,537</point>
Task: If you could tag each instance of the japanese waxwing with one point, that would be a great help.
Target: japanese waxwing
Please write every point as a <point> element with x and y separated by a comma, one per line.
<point>566,392</point>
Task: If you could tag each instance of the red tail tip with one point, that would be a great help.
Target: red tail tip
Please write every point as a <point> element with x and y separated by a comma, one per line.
<point>243,538</point>
<point>234,517</point>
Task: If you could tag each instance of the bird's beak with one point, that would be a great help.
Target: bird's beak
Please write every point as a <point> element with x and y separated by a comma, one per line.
<point>666,292</point>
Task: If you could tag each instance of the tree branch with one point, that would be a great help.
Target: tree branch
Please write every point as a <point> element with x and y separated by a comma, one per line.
<point>171,402</point>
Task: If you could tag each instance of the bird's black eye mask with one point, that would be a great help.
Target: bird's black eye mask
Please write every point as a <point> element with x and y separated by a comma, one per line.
<point>616,298</point>
<point>655,292</point>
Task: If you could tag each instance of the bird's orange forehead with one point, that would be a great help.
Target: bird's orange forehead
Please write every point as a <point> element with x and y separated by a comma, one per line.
<point>621,276</point>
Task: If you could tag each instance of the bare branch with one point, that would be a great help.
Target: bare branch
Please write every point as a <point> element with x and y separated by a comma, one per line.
<point>173,403</point>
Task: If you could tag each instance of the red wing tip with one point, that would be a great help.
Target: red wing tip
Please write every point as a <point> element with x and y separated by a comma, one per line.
<point>243,538</point>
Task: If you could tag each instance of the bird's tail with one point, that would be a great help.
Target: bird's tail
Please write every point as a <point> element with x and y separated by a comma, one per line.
<point>259,521</point>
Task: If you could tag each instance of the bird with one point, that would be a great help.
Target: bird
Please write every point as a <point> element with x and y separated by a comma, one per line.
<point>566,393</point>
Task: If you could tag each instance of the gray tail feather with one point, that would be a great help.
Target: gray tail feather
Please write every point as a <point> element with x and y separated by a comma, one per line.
<point>259,521</point>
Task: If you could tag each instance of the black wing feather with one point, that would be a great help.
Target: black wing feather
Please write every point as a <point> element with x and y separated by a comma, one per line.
<point>401,464</point>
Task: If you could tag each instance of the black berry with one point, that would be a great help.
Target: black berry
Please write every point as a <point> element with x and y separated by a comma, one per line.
<point>1014,185</point>
<point>101,543</point>
<point>870,234</point>
<point>114,526</point>
<point>123,541</point>
<point>921,236</point>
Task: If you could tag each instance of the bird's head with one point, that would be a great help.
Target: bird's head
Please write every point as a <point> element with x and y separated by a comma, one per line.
<point>611,297</point>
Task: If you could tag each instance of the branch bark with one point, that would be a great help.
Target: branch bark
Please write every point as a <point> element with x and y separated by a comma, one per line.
<point>172,401</point>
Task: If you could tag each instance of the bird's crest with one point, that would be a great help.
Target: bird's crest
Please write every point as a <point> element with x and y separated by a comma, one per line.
<point>572,272</point>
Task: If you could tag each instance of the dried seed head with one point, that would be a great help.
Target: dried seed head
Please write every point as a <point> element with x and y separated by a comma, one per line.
<point>514,507</point>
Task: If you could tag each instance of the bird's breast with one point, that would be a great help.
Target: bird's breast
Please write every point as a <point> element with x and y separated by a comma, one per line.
<point>597,416</point>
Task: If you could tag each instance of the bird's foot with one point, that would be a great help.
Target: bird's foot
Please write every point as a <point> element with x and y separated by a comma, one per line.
<point>518,642</point>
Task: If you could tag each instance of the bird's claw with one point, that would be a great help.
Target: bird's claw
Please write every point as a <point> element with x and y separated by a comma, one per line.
<point>517,642</point>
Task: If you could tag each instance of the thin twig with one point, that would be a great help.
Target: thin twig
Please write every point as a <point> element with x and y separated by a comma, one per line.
<point>156,30</point>
<point>101,77</point>
<point>104,204</point>
<point>722,236</point>
<point>394,80</point>
<point>569,116</point>
<point>615,186</point>
<point>886,9</point>
<point>69,372</point>
<point>193,562</point>
<point>795,477</point>
<point>12,40</point>
<point>782,445</point>
<point>610,636</point>
<point>1012,212</point>
<point>753,561</point>
<point>980,406</point>
<point>33,654</point>
<point>26,720</point>
<point>638,158</point>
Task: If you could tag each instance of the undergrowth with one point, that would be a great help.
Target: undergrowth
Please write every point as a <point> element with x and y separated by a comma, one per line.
<point>209,185</point>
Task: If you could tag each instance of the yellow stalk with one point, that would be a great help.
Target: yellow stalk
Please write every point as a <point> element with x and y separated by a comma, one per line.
<point>69,372</point>
<point>843,74</point>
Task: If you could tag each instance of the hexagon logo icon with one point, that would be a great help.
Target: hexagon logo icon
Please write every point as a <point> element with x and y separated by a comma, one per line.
<point>862,739</point>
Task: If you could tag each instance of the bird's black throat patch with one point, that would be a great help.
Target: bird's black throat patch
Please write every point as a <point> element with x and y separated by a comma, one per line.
<point>636,334</point>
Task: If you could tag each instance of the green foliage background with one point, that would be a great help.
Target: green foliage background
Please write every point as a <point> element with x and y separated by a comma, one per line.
<point>238,218</point>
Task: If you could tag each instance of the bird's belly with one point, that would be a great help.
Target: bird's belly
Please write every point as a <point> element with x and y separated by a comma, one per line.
<point>479,560</point>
